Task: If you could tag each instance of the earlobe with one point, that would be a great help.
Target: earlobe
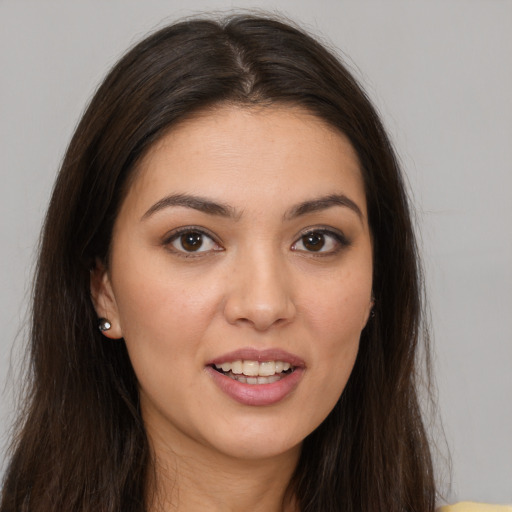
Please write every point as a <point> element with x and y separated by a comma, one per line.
<point>370,313</point>
<point>104,302</point>
<point>372,307</point>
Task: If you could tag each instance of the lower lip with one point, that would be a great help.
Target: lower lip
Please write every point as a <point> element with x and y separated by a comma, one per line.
<point>257,394</point>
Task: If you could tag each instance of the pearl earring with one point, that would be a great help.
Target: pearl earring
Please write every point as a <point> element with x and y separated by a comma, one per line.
<point>104,324</point>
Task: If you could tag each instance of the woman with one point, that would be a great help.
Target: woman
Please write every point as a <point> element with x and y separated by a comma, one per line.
<point>231,215</point>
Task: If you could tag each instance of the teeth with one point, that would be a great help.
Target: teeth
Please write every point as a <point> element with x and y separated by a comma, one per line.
<point>236,367</point>
<point>254,369</point>
<point>255,380</point>
<point>251,368</point>
<point>266,369</point>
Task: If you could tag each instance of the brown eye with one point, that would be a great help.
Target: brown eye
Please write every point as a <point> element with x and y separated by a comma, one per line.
<point>313,241</point>
<point>191,241</point>
<point>322,241</point>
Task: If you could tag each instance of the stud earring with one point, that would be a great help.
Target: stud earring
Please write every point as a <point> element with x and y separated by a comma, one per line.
<point>104,324</point>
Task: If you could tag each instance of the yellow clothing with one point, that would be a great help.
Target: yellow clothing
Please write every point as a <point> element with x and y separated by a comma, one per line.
<point>466,506</point>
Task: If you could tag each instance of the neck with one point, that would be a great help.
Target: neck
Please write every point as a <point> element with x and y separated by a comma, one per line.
<point>199,479</point>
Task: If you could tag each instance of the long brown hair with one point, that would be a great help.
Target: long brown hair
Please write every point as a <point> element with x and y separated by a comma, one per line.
<point>82,445</point>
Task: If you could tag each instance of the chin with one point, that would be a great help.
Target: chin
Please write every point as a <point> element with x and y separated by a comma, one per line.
<point>252,439</point>
<point>260,448</point>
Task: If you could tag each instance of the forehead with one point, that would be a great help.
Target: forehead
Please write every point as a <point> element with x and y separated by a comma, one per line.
<point>276,154</point>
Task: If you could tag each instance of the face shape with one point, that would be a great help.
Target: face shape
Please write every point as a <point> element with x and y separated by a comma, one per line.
<point>243,244</point>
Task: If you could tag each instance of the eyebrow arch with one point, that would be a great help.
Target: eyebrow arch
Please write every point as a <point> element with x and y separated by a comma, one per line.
<point>210,207</point>
<point>322,203</point>
<point>195,202</point>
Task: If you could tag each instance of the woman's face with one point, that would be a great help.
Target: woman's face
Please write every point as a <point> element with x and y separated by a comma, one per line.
<point>240,279</point>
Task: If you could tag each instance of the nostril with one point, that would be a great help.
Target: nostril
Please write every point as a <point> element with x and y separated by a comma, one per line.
<point>259,302</point>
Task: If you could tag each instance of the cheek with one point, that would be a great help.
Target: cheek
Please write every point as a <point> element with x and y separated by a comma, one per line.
<point>340,307</point>
<point>163,324</point>
<point>336,317</point>
<point>164,307</point>
<point>152,295</point>
<point>337,335</point>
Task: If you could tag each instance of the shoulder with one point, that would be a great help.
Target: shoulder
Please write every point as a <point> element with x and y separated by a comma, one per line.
<point>467,506</point>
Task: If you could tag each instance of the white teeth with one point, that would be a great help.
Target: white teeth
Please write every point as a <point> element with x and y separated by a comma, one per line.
<point>254,368</point>
<point>251,368</point>
<point>236,367</point>
<point>269,380</point>
<point>266,369</point>
<point>255,380</point>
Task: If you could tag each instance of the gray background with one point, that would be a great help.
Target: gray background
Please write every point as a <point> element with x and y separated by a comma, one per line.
<point>440,73</point>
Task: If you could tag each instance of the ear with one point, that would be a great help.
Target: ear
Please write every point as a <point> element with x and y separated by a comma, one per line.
<point>369,313</point>
<point>104,300</point>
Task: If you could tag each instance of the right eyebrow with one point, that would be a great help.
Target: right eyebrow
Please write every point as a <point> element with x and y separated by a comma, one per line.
<point>195,202</point>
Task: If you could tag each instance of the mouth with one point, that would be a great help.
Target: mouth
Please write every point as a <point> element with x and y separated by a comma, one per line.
<point>254,372</point>
<point>257,377</point>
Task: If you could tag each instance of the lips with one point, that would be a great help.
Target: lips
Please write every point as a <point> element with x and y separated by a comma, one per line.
<point>254,377</point>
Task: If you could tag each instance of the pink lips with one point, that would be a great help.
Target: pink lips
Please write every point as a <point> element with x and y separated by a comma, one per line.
<point>257,394</point>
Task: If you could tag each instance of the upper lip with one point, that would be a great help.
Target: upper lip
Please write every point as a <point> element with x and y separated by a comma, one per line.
<point>252,354</point>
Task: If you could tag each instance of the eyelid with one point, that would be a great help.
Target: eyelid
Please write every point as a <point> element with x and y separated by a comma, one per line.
<point>185,229</point>
<point>337,234</point>
<point>172,235</point>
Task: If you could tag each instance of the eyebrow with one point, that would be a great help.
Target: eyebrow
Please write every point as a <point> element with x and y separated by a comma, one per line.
<point>201,204</point>
<point>323,203</point>
<point>210,207</point>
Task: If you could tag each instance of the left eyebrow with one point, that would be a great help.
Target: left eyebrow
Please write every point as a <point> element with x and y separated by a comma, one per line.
<point>323,203</point>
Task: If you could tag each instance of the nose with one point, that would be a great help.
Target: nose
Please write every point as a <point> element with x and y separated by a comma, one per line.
<point>260,293</point>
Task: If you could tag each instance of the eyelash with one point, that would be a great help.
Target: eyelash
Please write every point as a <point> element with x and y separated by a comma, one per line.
<point>176,234</point>
<point>337,236</point>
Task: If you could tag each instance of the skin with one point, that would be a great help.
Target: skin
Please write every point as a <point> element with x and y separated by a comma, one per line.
<point>255,283</point>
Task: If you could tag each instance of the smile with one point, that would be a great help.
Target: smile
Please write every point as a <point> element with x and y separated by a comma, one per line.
<point>255,372</point>
<point>257,377</point>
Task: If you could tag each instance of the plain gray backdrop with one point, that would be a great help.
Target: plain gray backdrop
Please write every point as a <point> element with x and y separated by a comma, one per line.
<point>440,73</point>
